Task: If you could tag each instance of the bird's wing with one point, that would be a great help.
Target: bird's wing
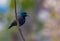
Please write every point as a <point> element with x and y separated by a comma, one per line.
<point>14,23</point>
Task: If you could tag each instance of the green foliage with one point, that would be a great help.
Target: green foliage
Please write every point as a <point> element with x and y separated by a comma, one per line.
<point>28,4</point>
<point>9,17</point>
<point>11,4</point>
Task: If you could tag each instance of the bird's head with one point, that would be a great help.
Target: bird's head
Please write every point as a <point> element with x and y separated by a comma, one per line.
<point>22,14</point>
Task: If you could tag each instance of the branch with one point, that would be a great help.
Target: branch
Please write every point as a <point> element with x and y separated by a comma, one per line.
<point>19,29</point>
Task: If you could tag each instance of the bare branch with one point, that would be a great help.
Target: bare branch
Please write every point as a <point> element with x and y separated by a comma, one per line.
<point>19,29</point>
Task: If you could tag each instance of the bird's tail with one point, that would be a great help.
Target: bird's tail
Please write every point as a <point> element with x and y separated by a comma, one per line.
<point>9,27</point>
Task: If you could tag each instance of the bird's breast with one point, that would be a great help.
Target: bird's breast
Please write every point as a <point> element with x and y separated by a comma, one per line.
<point>21,21</point>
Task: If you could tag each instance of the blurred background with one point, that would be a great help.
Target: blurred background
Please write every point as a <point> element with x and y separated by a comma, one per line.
<point>42,25</point>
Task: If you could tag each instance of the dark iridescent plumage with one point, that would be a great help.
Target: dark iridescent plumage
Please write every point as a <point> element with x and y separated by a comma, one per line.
<point>21,19</point>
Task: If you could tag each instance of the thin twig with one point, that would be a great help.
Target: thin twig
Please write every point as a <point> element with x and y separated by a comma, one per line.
<point>19,29</point>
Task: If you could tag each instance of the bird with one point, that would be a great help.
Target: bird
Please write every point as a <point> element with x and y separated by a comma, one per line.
<point>21,19</point>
